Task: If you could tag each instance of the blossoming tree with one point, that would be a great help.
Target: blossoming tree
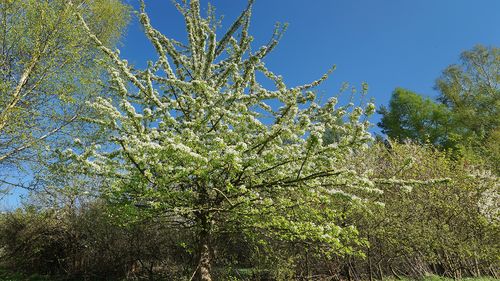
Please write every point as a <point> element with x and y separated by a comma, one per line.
<point>196,137</point>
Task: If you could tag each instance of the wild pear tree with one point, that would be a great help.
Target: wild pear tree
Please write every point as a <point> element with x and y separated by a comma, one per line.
<point>197,138</point>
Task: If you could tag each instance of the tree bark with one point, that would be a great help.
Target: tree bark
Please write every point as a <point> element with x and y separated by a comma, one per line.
<point>204,236</point>
<point>205,263</point>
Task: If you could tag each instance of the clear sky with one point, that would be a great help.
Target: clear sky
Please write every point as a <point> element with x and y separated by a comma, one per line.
<point>387,43</point>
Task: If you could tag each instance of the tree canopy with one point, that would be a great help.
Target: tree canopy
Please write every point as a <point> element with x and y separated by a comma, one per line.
<point>471,90</point>
<point>47,68</point>
<point>412,116</point>
<point>465,115</point>
<point>195,136</point>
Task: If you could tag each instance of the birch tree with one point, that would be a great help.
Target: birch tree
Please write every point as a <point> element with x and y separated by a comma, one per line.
<point>197,138</point>
<point>46,68</point>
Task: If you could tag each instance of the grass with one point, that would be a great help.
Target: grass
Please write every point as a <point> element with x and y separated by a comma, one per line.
<point>438,278</point>
<point>9,276</point>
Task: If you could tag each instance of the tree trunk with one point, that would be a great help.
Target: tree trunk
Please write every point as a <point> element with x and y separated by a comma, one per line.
<point>204,236</point>
<point>205,263</point>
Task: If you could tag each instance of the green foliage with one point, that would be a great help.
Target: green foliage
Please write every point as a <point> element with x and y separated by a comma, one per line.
<point>47,70</point>
<point>466,116</point>
<point>196,169</point>
<point>471,90</point>
<point>447,228</point>
<point>197,137</point>
<point>411,116</point>
<point>85,243</point>
<point>6,275</point>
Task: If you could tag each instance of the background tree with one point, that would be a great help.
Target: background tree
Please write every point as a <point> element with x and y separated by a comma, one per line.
<point>471,90</point>
<point>197,138</point>
<point>466,115</point>
<point>411,116</point>
<point>47,68</point>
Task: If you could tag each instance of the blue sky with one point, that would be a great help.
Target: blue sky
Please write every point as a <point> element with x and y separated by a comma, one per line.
<point>387,43</point>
